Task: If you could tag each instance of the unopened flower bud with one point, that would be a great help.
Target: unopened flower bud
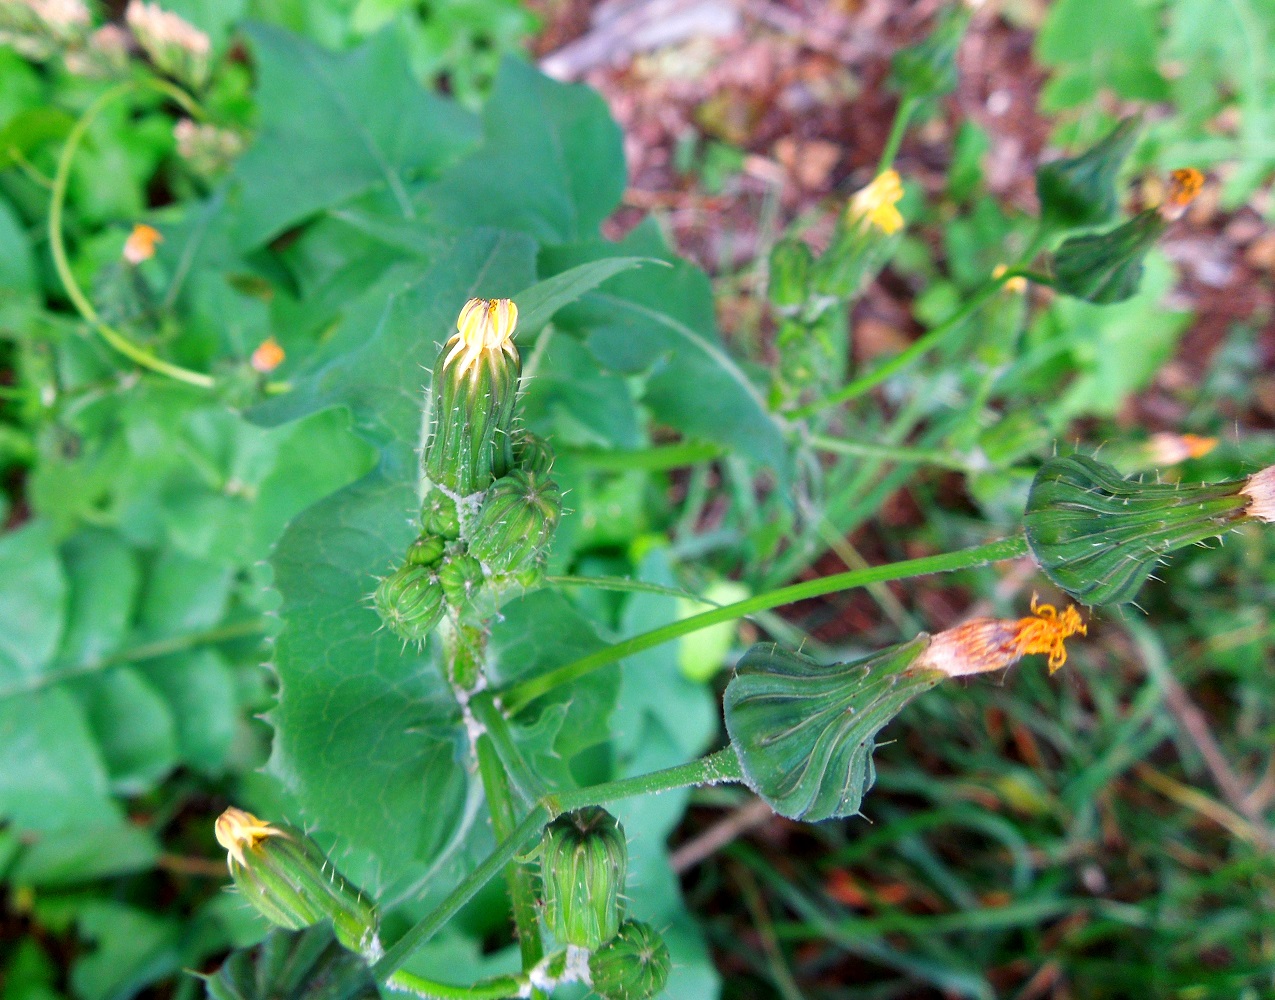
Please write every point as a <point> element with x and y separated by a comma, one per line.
<point>516,521</point>
<point>928,69</point>
<point>439,515</point>
<point>426,551</point>
<point>290,882</point>
<point>461,577</point>
<point>473,393</point>
<point>533,454</point>
<point>175,46</point>
<point>1099,535</point>
<point>1081,190</point>
<point>790,265</point>
<point>410,602</point>
<point>634,965</point>
<point>583,865</point>
<point>1107,267</point>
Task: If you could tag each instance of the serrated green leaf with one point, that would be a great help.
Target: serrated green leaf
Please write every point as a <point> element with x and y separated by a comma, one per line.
<point>661,322</point>
<point>367,736</point>
<point>551,163</point>
<point>335,125</point>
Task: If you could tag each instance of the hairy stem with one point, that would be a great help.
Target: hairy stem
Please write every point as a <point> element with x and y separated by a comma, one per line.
<point>492,989</point>
<point>519,695</point>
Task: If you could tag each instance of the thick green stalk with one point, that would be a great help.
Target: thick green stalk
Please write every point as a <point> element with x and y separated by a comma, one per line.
<point>522,890</point>
<point>713,769</point>
<point>522,835</point>
<point>519,695</point>
<point>492,989</point>
<point>902,118</point>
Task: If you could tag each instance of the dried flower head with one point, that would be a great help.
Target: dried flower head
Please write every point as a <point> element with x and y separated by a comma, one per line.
<point>1183,187</point>
<point>1260,490</point>
<point>237,829</point>
<point>141,242</point>
<point>1167,448</point>
<point>483,325</point>
<point>875,205</point>
<point>176,46</point>
<point>268,356</point>
<point>986,644</point>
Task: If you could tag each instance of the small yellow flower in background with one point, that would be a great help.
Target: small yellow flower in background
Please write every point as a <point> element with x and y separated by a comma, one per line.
<point>236,830</point>
<point>986,644</point>
<point>1015,284</point>
<point>1167,448</point>
<point>875,204</point>
<point>141,242</point>
<point>268,356</point>
<point>483,325</point>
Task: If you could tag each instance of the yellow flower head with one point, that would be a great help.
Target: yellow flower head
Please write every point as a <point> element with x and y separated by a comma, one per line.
<point>236,830</point>
<point>268,356</point>
<point>483,325</point>
<point>140,244</point>
<point>1184,185</point>
<point>875,204</point>
<point>985,644</point>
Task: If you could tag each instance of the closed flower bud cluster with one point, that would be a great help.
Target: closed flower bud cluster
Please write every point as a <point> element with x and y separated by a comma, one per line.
<point>175,46</point>
<point>634,965</point>
<point>490,507</point>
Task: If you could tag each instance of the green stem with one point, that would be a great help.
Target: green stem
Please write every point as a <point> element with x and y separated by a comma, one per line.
<point>658,458</point>
<point>901,119</point>
<point>57,246</point>
<point>525,781</point>
<point>892,453</point>
<point>422,931</point>
<point>711,770</point>
<point>492,989</point>
<point>864,383</point>
<point>522,891</point>
<point>519,695</point>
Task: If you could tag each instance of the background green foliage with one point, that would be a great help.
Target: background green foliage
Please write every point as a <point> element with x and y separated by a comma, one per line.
<point>162,535</point>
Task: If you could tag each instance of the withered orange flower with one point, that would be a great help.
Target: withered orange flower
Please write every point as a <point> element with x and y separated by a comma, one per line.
<point>986,644</point>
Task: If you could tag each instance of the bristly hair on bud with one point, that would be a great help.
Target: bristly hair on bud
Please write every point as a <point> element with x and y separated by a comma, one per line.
<point>986,644</point>
<point>875,205</point>
<point>236,830</point>
<point>483,325</point>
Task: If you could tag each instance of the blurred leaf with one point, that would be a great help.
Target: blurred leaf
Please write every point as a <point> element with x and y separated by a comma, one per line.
<point>661,321</point>
<point>32,601</point>
<point>17,264</point>
<point>335,125</point>
<point>1096,44</point>
<point>132,949</point>
<point>551,163</point>
<point>27,130</point>
<point>133,727</point>
<point>200,691</point>
<point>294,965</point>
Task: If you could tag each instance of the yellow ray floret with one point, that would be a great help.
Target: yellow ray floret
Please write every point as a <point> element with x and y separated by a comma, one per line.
<point>483,325</point>
<point>985,644</point>
<point>236,830</point>
<point>875,204</point>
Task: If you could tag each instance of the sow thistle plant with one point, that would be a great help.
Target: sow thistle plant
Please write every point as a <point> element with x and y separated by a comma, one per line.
<point>801,733</point>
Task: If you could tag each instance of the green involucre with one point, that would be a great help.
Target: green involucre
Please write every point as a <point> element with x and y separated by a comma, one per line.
<point>1099,535</point>
<point>634,965</point>
<point>583,865</point>
<point>516,521</point>
<point>805,732</point>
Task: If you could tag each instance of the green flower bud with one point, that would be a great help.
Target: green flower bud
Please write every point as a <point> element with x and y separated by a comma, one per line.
<point>805,733</point>
<point>583,863</point>
<point>426,551</point>
<point>1107,267</point>
<point>634,965</point>
<point>516,521</point>
<point>533,454</point>
<point>461,577</point>
<point>790,265</point>
<point>291,883</point>
<point>1099,535</point>
<point>410,602</point>
<point>439,515</point>
<point>1081,190</point>
<point>475,385</point>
